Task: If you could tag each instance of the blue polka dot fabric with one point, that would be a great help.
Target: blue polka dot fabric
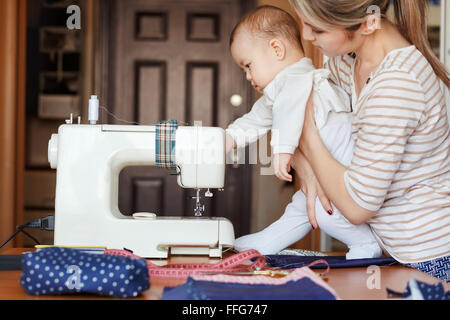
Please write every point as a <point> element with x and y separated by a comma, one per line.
<point>55,271</point>
<point>417,290</point>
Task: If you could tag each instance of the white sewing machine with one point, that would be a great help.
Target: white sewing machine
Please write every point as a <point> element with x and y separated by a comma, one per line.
<point>89,158</point>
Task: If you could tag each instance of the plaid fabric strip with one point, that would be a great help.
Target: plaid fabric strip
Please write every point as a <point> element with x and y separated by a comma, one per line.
<point>165,144</point>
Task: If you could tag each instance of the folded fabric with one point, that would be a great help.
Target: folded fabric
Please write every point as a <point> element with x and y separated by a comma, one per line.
<point>303,289</point>
<point>292,262</point>
<point>165,140</point>
<point>300,284</point>
<point>57,270</point>
<point>416,290</point>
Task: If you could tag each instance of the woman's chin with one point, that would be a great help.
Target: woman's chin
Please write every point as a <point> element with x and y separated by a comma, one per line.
<point>322,51</point>
<point>329,54</point>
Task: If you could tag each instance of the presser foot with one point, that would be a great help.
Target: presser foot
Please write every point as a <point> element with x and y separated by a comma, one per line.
<point>199,208</point>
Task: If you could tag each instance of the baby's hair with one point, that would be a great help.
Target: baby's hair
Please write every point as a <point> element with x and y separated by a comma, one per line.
<point>270,22</point>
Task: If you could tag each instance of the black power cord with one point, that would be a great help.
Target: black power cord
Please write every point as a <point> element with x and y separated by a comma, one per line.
<point>46,223</point>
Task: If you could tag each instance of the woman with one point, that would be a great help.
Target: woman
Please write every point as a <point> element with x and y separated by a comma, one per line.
<point>399,178</point>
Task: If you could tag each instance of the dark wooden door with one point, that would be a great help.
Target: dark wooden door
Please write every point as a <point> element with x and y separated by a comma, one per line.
<point>169,59</point>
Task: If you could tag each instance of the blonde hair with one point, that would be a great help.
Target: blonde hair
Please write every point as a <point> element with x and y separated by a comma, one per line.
<point>410,18</point>
<point>268,22</point>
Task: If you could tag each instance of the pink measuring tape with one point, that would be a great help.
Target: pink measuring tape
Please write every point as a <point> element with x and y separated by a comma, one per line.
<point>234,263</point>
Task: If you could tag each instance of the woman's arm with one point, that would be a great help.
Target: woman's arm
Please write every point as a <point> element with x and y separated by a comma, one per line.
<point>385,123</point>
<point>310,187</point>
<point>330,172</point>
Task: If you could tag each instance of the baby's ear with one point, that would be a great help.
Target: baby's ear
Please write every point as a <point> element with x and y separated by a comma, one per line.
<point>278,48</point>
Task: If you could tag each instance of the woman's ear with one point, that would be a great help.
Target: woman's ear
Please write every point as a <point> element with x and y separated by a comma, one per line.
<point>372,24</point>
<point>278,48</point>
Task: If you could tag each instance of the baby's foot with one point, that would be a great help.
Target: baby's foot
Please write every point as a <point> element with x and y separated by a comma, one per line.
<point>366,251</point>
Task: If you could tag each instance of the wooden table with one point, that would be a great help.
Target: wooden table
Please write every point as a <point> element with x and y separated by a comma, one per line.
<point>350,284</point>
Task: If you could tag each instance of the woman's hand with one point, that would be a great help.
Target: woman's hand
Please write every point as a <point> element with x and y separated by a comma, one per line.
<point>309,184</point>
<point>310,187</point>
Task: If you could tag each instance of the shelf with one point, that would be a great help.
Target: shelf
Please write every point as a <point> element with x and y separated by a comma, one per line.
<point>53,39</point>
<point>59,4</point>
<point>55,74</point>
<point>58,106</point>
<point>71,62</point>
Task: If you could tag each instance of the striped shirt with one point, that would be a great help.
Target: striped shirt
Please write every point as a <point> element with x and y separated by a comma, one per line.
<point>401,160</point>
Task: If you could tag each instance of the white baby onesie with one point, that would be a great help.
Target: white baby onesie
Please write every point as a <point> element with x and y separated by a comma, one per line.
<point>282,107</point>
<point>286,113</point>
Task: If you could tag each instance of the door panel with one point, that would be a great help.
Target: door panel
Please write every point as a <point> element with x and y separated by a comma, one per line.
<point>201,94</point>
<point>150,91</point>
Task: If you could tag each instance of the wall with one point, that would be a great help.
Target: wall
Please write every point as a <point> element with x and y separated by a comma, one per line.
<point>283,4</point>
<point>12,109</point>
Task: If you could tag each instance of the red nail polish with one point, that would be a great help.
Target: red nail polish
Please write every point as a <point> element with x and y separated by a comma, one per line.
<point>330,212</point>
<point>314,228</point>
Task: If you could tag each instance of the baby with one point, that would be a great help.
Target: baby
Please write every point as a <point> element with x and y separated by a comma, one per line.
<point>266,45</point>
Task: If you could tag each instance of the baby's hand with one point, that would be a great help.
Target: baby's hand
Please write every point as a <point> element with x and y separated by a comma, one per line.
<point>282,166</point>
<point>229,143</point>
